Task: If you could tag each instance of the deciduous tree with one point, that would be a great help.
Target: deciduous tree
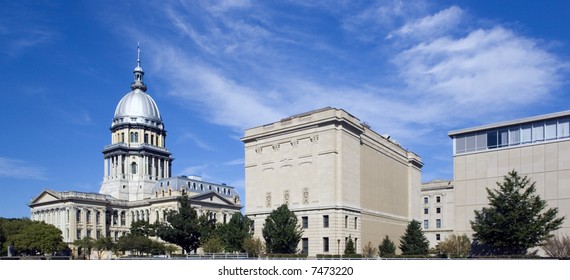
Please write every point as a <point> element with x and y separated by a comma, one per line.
<point>281,231</point>
<point>182,227</point>
<point>233,233</point>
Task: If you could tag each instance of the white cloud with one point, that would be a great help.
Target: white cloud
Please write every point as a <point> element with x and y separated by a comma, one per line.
<point>197,141</point>
<point>197,170</point>
<point>432,25</point>
<point>238,161</point>
<point>19,169</point>
<point>489,69</point>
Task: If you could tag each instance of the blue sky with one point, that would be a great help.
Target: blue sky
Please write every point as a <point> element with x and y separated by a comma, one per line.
<point>411,69</point>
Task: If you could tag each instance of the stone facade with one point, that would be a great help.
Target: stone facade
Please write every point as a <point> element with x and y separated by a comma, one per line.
<point>437,208</point>
<point>537,147</point>
<point>339,177</point>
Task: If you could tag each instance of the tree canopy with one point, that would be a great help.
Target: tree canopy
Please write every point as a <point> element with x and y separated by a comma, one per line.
<point>516,218</point>
<point>349,249</point>
<point>33,237</point>
<point>182,227</point>
<point>281,231</point>
<point>414,242</point>
<point>235,232</point>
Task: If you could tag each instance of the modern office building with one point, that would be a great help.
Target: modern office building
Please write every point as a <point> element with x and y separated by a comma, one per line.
<point>537,147</point>
<point>437,208</point>
<point>340,178</point>
<point>137,182</point>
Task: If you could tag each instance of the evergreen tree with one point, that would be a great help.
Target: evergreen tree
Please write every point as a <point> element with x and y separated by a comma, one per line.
<point>281,231</point>
<point>349,247</point>
<point>387,248</point>
<point>516,218</point>
<point>414,242</point>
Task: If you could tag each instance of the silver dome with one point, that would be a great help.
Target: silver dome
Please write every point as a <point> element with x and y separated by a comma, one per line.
<point>137,104</point>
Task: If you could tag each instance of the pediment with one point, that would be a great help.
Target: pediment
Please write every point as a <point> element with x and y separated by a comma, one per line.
<point>45,196</point>
<point>212,197</point>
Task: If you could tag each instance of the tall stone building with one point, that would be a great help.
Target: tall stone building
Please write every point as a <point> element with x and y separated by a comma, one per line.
<point>137,182</point>
<point>437,210</point>
<point>537,147</point>
<point>340,178</point>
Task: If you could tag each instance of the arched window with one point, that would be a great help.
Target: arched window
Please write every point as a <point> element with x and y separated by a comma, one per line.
<point>134,137</point>
<point>134,168</point>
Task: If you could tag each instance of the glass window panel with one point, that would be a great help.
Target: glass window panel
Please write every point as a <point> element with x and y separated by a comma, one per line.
<point>470,143</point>
<point>514,135</point>
<point>538,132</point>
<point>492,139</point>
<point>481,141</point>
<point>526,133</point>
<point>503,138</point>
<point>550,130</point>
<point>563,128</point>
<point>460,144</point>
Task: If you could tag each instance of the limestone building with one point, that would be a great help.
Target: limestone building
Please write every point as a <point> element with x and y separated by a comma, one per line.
<point>537,147</point>
<point>339,177</point>
<point>437,208</point>
<point>137,182</point>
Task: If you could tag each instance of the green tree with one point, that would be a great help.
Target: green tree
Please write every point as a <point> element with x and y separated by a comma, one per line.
<point>233,233</point>
<point>136,244</point>
<point>38,238</point>
<point>516,218</point>
<point>454,246</point>
<point>84,246</point>
<point>182,227</point>
<point>103,244</point>
<point>213,245</point>
<point>387,248</point>
<point>349,249</point>
<point>143,228</point>
<point>253,247</point>
<point>281,231</point>
<point>414,242</point>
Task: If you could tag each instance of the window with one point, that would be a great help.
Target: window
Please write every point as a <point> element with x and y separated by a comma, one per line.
<point>514,136</point>
<point>492,139</point>
<point>305,221</point>
<point>537,132</point>
<point>88,218</point>
<point>97,217</point>
<point>78,216</point>
<point>438,210</point>
<point>133,168</point>
<point>355,222</point>
<point>526,133</point>
<point>134,137</point>
<point>460,144</point>
<point>78,233</point>
<point>426,200</point>
<point>88,233</point>
<point>503,138</point>
<point>470,144</point>
<point>123,218</point>
<point>98,234</point>
<point>438,199</point>
<point>426,224</point>
<point>325,221</point>
<point>438,223</point>
<point>305,250</point>
<point>481,141</point>
<point>146,138</point>
<point>345,221</point>
<point>563,128</point>
<point>550,130</point>
<point>426,211</point>
<point>325,244</point>
<point>438,237</point>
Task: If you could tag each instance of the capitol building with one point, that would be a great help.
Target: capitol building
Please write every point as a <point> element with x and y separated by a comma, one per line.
<point>137,179</point>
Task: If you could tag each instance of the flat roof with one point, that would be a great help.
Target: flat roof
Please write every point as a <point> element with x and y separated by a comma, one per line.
<point>508,123</point>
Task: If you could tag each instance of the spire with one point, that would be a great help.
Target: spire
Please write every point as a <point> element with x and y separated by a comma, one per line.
<point>139,73</point>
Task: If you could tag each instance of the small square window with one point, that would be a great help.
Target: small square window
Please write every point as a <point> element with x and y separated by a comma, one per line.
<point>438,237</point>
<point>438,210</point>
<point>426,211</point>
<point>438,199</point>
